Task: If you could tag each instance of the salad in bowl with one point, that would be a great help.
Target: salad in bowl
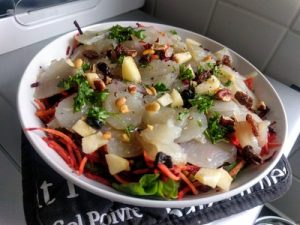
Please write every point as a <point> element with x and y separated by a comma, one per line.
<point>152,114</point>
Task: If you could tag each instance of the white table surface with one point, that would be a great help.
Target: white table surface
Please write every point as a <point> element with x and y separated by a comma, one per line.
<point>12,66</point>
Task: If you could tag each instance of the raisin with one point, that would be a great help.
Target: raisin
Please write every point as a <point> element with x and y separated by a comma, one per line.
<point>94,123</point>
<point>250,156</point>
<point>163,158</point>
<point>104,68</point>
<point>186,95</point>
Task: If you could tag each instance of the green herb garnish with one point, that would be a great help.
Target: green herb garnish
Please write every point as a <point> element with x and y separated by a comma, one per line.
<point>174,32</point>
<point>183,114</point>
<point>130,129</point>
<point>202,102</point>
<point>200,69</point>
<point>98,113</point>
<point>86,96</point>
<point>150,185</point>
<point>228,83</point>
<point>199,122</point>
<point>120,59</point>
<point>160,87</point>
<point>185,72</point>
<point>215,132</point>
<point>216,71</point>
<point>84,92</point>
<point>86,66</point>
<point>122,34</point>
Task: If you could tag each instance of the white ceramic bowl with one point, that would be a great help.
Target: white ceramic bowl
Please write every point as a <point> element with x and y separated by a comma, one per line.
<point>57,50</point>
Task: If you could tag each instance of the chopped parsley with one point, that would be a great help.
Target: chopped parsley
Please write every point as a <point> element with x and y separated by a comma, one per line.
<point>183,114</point>
<point>160,87</point>
<point>200,69</point>
<point>185,72</point>
<point>202,102</point>
<point>86,96</point>
<point>199,122</point>
<point>228,83</point>
<point>120,59</point>
<point>216,71</point>
<point>174,32</point>
<point>129,129</point>
<point>84,92</point>
<point>122,34</point>
<point>98,113</point>
<point>86,66</point>
<point>215,132</point>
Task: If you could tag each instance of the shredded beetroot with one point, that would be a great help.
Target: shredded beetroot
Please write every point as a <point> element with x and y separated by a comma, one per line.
<point>97,178</point>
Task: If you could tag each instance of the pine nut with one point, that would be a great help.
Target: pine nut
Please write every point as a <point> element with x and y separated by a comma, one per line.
<point>125,137</point>
<point>78,63</point>
<point>106,135</point>
<point>148,52</point>
<point>120,101</point>
<point>124,109</point>
<point>150,127</point>
<point>152,107</point>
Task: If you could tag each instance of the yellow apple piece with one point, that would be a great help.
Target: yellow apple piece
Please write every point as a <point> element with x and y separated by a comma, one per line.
<point>130,71</point>
<point>116,164</point>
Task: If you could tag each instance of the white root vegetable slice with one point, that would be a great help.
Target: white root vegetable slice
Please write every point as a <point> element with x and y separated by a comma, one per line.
<point>123,149</point>
<point>194,128</point>
<point>122,120</point>
<point>49,79</point>
<point>161,133</point>
<point>209,155</point>
<point>64,113</point>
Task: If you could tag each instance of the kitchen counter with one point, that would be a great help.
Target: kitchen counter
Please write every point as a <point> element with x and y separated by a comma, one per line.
<point>13,64</point>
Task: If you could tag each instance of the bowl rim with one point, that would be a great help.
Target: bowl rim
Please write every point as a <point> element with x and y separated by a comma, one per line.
<point>135,200</point>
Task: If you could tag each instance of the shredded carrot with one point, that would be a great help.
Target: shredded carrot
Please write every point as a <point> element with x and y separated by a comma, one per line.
<point>57,133</point>
<point>40,104</point>
<point>60,151</point>
<point>189,183</point>
<point>166,171</point>
<point>82,165</point>
<point>187,189</point>
<point>235,170</point>
<point>148,160</point>
<point>120,179</point>
<point>97,178</point>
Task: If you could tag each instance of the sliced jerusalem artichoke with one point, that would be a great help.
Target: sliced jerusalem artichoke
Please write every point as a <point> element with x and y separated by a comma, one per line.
<point>48,79</point>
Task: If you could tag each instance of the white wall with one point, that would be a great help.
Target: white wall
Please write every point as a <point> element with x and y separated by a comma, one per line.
<point>266,32</point>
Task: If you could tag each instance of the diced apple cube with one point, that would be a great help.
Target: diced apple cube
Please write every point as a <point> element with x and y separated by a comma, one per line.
<point>116,164</point>
<point>92,142</point>
<point>225,180</point>
<point>182,57</point>
<point>177,99</point>
<point>91,78</point>
<point>130,71</point>
<point>165,100</point>
<point>208,176</point>
<point>227,74</point>
<point>192,42</point>
<point>221,53</point>
<point>83,129</point>
<point>210,86</point>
